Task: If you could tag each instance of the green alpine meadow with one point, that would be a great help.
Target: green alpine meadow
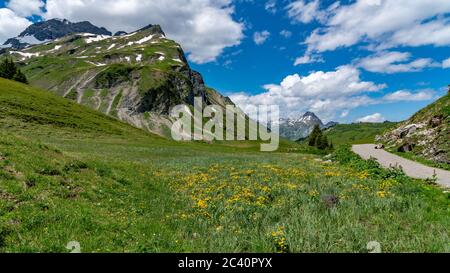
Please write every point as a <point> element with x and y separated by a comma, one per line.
<point>69,173</point>
<point>115,143</point>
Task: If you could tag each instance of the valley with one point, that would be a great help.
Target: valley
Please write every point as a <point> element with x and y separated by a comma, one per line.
<point>86,156</point>
<point>69,173</point>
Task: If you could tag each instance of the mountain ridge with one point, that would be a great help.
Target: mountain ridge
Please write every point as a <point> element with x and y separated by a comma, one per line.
<point>299,128</point>
<point>52,29</point>
<point>135,77</point>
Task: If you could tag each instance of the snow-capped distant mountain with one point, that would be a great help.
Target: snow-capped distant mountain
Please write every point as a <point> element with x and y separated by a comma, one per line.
<point>45,31</point>
<point>295,129</point>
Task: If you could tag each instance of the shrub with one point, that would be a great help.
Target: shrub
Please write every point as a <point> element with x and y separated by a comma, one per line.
<point>20,77</point>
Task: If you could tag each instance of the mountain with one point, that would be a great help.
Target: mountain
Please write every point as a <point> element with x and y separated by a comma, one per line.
<point>425,135</point>
<point>295,129</point>
<point>134,77</point>
<point>120,33</point>
<point>45,31</point>
<point>331,124</point>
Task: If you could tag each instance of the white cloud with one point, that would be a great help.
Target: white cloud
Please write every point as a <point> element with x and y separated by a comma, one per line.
<point>261,37</point>
<point>375,118</point>
<point>308,58</point>
<point>446,63</point>
<point>406,95</point>
<point>345,113</point>
<point>271,6</point>
<point>394,62</point>
<point>286,33</point>
<point>203,27</point>
<point>303,12</point>
<point>325,93</point>
<point>11,24</point>
<point>26,8</point>
<point>436,33</point>
<point>384,23</point>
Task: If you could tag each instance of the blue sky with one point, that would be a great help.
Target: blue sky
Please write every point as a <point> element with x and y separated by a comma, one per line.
<point>358,60</point>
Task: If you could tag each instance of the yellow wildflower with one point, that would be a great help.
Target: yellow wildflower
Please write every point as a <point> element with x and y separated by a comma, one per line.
<point>202,204</point>
<point>313,193</point>
<point>381,194</point>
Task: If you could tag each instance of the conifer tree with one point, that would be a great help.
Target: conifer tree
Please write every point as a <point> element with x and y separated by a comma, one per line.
<point>9,70</point>
<point>315,134</point>
<point>322,142</point>
<point>318,139</point>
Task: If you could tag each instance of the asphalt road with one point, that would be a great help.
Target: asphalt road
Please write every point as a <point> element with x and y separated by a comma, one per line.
<point>411,168</point>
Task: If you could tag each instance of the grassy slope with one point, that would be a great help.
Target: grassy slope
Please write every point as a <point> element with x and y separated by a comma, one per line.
<point>68,173</point>
<point>357,133</point>
<point>439,108</point>
<point>103,75</point>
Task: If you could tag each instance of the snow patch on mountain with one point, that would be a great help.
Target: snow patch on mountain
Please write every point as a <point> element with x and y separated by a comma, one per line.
<point>97,38</point>
<point>25,54</point>
<point>56,48</point>
<point>31,40</point>
<point>298,128</point>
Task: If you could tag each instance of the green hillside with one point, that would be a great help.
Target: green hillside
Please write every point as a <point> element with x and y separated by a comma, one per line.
<point>23,105</point>
<point>68,173</point>
<point>425,136</point>
<point>136,78</point>
<point>357,133</point>
<point>439,108</point>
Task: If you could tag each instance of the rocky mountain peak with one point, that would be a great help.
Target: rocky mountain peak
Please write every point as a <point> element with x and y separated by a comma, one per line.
<point>298,128</point>
<point>311,118</point>
<point>52,29</point>
<point>309,114</point>
<point>154,29</point>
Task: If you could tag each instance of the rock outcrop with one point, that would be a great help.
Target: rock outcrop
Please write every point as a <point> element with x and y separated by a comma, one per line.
<point>426,134</point>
